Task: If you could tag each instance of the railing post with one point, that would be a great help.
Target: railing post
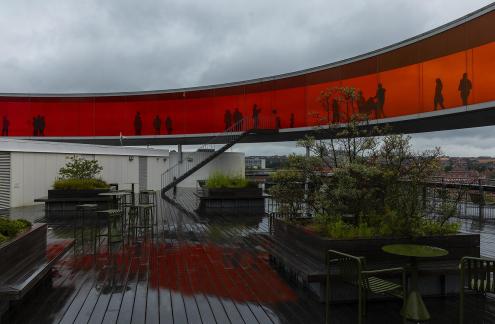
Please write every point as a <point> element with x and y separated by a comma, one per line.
<point>481,207</point>
<point>306,187</point>
<point>424,196</point>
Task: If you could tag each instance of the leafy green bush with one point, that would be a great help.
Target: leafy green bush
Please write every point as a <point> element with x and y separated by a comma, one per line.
<point>10,228</point>
<point>80,174</point>
<point>219,180</point>
<point>431,227</point>
<point>79,184</point>
<point>339,229</point>
<point>79,168</point>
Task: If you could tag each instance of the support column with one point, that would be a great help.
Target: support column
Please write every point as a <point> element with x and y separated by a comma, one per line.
<point>306,187</point>
<point>481,206</point>
<point>179,149</point>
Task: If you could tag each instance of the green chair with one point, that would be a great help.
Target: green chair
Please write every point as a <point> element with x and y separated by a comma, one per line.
<point>352,270</point>
<point>477,274</point>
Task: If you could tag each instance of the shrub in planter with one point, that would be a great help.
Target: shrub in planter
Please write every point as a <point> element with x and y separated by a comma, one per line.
<point>79,184</point>
<point>10,228</point>
<point>219,180</point>
<point>80,174</point>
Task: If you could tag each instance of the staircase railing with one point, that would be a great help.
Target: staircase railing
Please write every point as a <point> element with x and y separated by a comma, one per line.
<point>228,138</point>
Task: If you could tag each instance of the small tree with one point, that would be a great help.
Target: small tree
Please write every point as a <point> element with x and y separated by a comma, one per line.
<point>79,168</point>
<point>363,177</point>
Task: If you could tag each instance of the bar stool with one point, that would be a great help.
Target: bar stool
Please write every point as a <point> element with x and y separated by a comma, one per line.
<point>83,211</point>
<point>140,221</point>
<point>149,197</point>
<point>114,220</point>
<point>125,202</point>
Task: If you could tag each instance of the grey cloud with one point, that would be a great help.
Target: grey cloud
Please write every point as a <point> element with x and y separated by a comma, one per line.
<point>98,46</point>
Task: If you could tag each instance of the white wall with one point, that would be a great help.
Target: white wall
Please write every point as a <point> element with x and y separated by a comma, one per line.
<point>156,166</point>
<point>229,163</point>
<point>33,174</point>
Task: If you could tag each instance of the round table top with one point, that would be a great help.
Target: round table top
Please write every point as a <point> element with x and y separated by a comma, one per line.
<point>415,250</point>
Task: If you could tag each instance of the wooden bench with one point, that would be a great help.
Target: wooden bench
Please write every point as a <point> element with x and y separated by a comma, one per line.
<point>30,267</point>
<point>299,265</point>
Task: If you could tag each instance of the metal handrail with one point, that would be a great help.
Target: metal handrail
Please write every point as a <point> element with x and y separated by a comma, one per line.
<point>233,133</point>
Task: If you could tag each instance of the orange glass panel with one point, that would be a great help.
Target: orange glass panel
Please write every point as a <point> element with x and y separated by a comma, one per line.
<point>367,88</point>
<point>441,78</point>
<point>401,91</point>
<point>484,73</point>
<point>317,114</point>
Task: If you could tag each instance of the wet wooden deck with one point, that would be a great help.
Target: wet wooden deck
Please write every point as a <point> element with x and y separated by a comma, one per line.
<point>199,270</point>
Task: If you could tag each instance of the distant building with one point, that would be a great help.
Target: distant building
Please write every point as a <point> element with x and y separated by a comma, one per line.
<point>255,162</point>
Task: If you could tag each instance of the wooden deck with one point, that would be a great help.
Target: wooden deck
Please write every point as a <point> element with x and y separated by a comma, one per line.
<point>199,270</point>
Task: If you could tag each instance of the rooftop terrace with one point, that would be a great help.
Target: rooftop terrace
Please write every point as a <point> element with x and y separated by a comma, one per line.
<point>200,270</point>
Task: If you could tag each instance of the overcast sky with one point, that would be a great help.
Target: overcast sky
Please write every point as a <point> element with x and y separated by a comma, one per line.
<point>124,45</point>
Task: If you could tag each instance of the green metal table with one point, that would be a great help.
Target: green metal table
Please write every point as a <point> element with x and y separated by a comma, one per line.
<point>414,307</point>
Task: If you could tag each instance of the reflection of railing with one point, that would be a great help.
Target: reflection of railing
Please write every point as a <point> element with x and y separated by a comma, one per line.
<point>208,151</point>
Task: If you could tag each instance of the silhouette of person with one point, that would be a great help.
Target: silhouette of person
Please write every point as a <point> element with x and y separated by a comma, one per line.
<point>278,122</point>
<point>5,126</point>
<point>361,103</point>
<point>291,120</point>
<point>157,124</point>
<point>335,111</point>
<point>237,118</point>
<point>380,101</point>
<point>256,115</point>
<point>168,125</point>
<point>35,126</point>
<point>227,119</point>
<point>465,87</point>
<point>438,99</point>
<point>138,123</point>
<point>42,125</point>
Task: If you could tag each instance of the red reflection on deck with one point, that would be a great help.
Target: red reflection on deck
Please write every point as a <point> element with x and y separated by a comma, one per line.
<point>208,269</point>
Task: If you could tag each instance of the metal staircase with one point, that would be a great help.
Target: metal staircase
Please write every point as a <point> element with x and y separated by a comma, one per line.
<point>232,135</point>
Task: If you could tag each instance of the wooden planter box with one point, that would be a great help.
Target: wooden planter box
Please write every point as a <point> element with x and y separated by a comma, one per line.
<point>74,193</point>
<point>233,193</point>
<point>28,245</point>
<point>458,245</point>
<point>245,201</point>
<point>61,203</point>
